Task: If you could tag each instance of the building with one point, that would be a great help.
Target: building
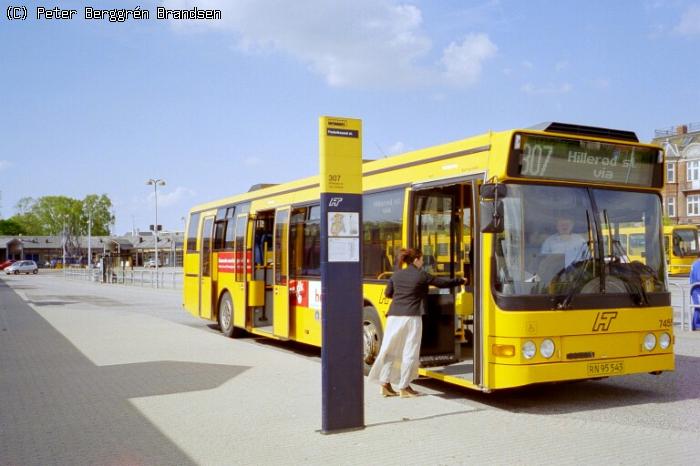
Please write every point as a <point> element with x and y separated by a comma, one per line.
<point>47,251</point>
<point>682,191</point>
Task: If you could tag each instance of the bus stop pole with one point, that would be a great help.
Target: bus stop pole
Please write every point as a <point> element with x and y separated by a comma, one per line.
<point>340,156</point>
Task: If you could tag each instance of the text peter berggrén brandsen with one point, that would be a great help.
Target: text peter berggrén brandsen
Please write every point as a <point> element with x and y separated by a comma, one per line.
<point>120,15</point>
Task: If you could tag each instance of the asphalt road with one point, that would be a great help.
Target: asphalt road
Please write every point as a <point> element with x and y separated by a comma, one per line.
<point>111,374</point>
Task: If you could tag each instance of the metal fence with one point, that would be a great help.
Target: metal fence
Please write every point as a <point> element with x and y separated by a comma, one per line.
<point>165,278</point>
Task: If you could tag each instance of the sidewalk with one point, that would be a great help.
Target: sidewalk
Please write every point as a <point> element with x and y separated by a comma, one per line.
<point>94,374</point>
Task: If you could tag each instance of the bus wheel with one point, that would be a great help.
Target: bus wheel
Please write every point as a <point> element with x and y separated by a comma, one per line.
<point>225,316</point>
<point>372,337</point>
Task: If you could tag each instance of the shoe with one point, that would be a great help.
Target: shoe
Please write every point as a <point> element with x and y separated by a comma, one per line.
<point>387,390</point>
<point>408,392</point>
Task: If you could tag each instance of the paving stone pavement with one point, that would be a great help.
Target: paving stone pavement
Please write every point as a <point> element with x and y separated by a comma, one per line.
<point>108,375</point>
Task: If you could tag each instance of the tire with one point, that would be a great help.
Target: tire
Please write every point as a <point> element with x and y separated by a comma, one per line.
<point>372,335</point>
<point>16,272</point>
<point>35,271</point>
<point>225,317</point>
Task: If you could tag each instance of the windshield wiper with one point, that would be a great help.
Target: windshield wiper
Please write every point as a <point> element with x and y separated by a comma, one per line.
<point>581,264</point>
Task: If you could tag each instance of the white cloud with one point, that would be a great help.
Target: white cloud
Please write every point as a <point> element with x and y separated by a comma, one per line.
<point>528,65</point>
<point>166,199</point>
<point>690,22</point>
<point>463,61</point>
<point>5,164</point>
<point>357,44</point>
<point>396,148</point>
<point>551,89</point>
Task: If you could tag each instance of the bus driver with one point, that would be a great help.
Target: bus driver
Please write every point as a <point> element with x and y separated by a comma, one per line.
<point>572,245</point>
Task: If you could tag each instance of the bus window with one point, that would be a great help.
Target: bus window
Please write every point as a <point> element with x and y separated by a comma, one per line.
<point>636,245</point>
<point>382,214</point>
<point>305,242</point>
<point>206,246</point>
<point>434,230</point>
<point>685,242</point>
<point>281,237</point>
<point>192,232</point>
<point>224,216</point>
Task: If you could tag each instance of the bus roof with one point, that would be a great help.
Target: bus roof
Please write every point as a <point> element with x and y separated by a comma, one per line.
<point>473,144</point>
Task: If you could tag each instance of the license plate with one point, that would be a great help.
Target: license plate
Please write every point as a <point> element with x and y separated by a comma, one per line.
<point>596,369</point>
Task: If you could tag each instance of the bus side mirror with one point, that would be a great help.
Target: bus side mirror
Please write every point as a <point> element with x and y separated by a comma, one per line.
<point>491,217</point>
<point>492,191</point>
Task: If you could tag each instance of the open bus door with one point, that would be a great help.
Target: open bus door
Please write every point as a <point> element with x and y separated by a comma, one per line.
<point>241,266</point>
<point>281,320</point>
<point>443,229</point>
<point>205,266</point>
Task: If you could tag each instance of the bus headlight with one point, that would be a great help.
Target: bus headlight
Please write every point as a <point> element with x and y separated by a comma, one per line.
<point>529,349</point>
<point>547,348</point>
<point>664,340</point>
<point>649,341</point>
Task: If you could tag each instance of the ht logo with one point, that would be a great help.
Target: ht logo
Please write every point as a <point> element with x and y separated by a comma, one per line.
<point>603,321</point>
<point>335,201</point>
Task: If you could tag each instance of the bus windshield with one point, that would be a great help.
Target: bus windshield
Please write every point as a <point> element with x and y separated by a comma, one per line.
<point>556,243</point>
<point>685,242</point>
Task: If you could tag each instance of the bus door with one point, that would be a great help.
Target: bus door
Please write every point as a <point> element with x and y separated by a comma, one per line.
<point>443,221</point>
<point>205,266</point>
<point>240,267</point>
<point>281,318</point>
<point>434,221</point>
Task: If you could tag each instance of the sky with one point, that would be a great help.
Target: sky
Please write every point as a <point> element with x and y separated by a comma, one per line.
<point>215,106</point>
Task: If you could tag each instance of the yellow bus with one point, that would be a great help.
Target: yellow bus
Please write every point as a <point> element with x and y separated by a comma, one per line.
<point>681,245</point>
<point>483,208</point>
<point>682,248</point>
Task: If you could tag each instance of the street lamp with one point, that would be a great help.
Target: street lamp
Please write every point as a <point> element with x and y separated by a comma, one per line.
<point>89,264</point>
<point>63,265</point>
<point>155,183</point>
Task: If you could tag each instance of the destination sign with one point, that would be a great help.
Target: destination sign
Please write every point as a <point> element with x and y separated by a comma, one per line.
<point>579,160</point>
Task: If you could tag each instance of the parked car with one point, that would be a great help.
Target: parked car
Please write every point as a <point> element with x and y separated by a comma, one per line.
<point>22,267</point>
<point>7,263</point>
<point>152,263</point>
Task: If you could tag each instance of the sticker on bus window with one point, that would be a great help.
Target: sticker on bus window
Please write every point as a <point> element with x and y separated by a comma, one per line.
<point>299,290</point>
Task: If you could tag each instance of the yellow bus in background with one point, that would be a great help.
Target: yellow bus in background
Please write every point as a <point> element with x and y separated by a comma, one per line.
<point>681,246</point>
<point>479,208</point>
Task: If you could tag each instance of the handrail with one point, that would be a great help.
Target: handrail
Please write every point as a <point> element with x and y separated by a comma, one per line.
<point>130,277</point>
<point>683,306</point>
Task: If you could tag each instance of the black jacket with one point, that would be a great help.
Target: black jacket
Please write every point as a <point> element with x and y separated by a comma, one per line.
<point>408,289</point>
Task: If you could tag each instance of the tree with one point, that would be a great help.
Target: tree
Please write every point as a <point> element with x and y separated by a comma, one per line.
<point>66,217</point>
<point>11,227</point>
<point>62,215</point>
<point>100,209</point>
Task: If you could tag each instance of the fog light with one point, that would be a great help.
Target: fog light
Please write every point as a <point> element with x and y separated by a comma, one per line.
<point>664,340</point>
<point>529,349</point>
<point>649,341</point>
<point>547,348</point>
